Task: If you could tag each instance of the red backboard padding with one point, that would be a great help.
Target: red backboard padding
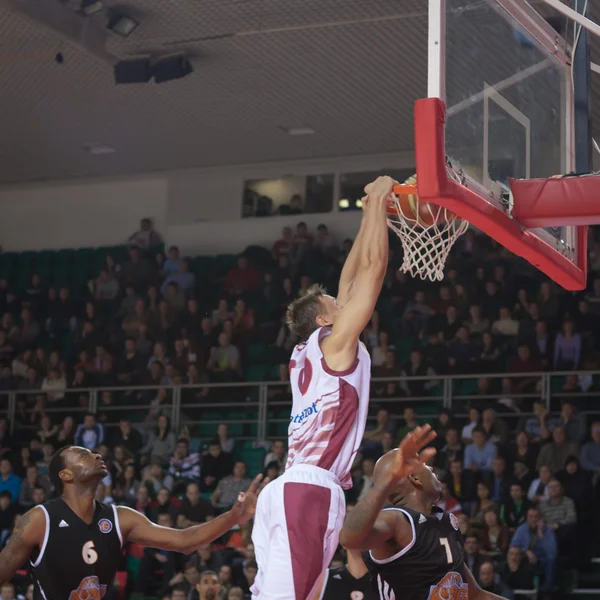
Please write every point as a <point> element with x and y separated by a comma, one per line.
<point>557,201</point>
<point>435,186</point>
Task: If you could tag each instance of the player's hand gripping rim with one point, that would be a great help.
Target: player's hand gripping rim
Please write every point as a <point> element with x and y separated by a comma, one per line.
<point>245,507</point>
<point>410,456</point>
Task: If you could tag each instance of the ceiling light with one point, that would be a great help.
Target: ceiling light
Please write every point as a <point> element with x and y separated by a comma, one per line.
<point>359,204</point>
<point>298,130</point>
<point>91,7</point>
<point>122,25</point>
<point>98,149</point>
<point>344,203</point>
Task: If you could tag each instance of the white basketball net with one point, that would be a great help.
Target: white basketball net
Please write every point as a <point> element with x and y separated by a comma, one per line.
<point>426,247</point>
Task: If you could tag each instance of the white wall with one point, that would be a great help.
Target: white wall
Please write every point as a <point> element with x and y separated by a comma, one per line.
<point>198,209</point>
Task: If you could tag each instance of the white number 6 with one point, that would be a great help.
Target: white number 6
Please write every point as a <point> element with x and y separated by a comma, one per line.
<point>90,556</point>
<point>444,542</point>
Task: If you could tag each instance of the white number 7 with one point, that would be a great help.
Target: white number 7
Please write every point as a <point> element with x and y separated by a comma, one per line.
<point>444,542</point>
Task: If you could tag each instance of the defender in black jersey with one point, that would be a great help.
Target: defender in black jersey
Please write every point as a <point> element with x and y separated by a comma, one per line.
<point>413,550</point>
<point>350,582</point>
<point>74,543</point>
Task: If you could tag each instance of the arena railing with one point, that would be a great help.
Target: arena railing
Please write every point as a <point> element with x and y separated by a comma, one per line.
<point>260,410</point>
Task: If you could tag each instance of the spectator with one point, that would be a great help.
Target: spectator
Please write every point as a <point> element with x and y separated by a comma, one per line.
<point>127,436</point>
<point>227,443</point>
<point>538,491</point>
<point>538,542</point>
<point>590,453</point>
<point>32,481</point>
<point>208,587</point>
<point>555,454</point>
<point>567,348</point>
<point>559,514</point>
<point>136,272</point>
<point>105,288</point>
<point>161,442</point>
<point>488,583</point>
<point>8,511</point>
<point>452,451</point>
<point>484,502</point>
<point>523,452</point>
<point>513,512</point>
<point>479,455</point>
<point>229,488</point>
<point>495,428</point>
<point>242,278</point>
<point>467,430</point>
<point>90,434</point>
<point>184,466</point>
<point>518,572</point>
<point>147,237</point>
<point>216,464</point>
<point>500,480</point>
<point>185,280</point>
<point>473,557</point>
<point>172,263</point>
<point>537,426</point>
<point>194,510</point>
<point>9,482</point>
<point>224,361</point>
<point>572,421</point>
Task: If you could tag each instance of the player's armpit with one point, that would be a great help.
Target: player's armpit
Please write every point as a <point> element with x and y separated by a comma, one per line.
<point>27,535</point>
<point>475,592</point>
<point>136,528</point>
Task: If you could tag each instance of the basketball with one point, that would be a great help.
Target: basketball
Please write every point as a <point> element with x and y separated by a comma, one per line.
<point>423,213</point>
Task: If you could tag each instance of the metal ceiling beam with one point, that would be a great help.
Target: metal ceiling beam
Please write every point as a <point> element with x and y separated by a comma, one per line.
<point>575,16</point>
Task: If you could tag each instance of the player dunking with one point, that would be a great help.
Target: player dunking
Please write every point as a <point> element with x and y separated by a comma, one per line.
<point>415,550</point>
<point>300,514</point>
<point>74,543</point>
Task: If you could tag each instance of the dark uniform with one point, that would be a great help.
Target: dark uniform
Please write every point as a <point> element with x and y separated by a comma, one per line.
<point>431,567</point>
<point>77,561</point>
<point>341,585</point>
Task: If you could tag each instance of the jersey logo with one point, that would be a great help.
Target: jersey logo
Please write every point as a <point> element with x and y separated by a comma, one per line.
<point>63,523</point>
<point>337,576</point>
<point>307,412</point>
<point>305,375</point>
<point>454,521</point>
<point>451,587</point>
<point>105,526</point>
<point>422,519</point>
<point>89,589</point>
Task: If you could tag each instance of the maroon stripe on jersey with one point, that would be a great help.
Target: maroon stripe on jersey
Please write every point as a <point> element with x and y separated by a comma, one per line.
<point>306,532</point>
<point>324,365</point>
<point>344,419</point>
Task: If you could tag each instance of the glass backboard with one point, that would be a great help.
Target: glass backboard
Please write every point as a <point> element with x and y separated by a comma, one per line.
<point>509,101</point>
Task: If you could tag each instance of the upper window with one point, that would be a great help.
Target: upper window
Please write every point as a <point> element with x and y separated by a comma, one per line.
<point>352,185</point>
<point>290,195</point>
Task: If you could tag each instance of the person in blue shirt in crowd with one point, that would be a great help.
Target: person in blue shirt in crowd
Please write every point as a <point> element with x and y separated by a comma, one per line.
<point>183,278</point>
<point>538,543</point>
<point>9,482</point>
<point>480,455</point>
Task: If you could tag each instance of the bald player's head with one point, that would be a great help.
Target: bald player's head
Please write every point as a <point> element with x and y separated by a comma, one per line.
<point>423,484</point>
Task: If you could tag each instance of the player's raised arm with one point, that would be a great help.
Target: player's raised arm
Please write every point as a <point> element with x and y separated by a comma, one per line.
<point>346,285</point>
<point>25,538</point>
<point>367,527</point>
<point>135,527</point>
<point>369,262</point>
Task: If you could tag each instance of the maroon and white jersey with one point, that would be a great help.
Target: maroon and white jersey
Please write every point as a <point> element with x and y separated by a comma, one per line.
<point>329,410</point>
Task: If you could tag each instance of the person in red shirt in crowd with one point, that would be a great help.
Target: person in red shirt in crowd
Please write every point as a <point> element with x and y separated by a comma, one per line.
<point>243,278</point>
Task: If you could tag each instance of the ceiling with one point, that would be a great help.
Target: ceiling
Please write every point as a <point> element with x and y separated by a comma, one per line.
<point>349,69</point>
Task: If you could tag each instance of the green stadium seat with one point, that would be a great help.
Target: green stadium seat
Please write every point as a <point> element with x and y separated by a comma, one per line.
<point>256,373</point>
<point>254,459</point>
<point>257,353</point>
<point>209,430</point>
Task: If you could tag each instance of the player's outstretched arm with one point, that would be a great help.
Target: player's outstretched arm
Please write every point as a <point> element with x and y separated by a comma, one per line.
<point>367,527</point>
<point>347,278</point>
<point>136,528</point>
<point>475,592</point>
<point>372,255</point>
<point>25,538</point>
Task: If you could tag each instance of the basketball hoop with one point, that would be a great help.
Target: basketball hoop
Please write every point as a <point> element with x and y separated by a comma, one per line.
<point>427,231</point>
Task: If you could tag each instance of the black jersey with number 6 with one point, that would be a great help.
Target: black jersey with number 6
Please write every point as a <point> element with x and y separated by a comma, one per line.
<point>77,561</point>
<point>431,567</point>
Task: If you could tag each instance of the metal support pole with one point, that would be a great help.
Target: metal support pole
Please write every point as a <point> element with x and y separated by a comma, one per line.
<point>176,409</point>
<point>448,393</point>
<point>93,403</point>
<point>261,429</point>
<point>12,409</point>
<point>547,390</point>
<point>581,92</point>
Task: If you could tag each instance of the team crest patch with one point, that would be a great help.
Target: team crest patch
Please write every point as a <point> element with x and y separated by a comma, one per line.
<point>454,521</point>
<point>452,587</point>
<point>105,526</point>
<point>89,588</point>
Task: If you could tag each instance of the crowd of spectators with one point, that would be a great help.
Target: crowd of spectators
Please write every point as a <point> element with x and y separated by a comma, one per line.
<point>520,473</point>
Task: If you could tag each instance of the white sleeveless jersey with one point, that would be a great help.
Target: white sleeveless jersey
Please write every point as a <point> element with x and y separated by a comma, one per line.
<point>329,411</point>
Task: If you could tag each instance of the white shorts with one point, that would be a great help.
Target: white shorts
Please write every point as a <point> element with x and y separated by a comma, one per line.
<point>296,532</point>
